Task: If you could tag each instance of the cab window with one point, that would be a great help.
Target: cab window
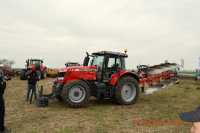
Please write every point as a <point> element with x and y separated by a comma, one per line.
<point>111,62</point>
<point>97,61</point>
<point>114,63</point>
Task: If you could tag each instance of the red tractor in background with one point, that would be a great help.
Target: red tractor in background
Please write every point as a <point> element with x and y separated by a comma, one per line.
<point>8,71</point>
<point>103,75</point>
<point>39,66</point>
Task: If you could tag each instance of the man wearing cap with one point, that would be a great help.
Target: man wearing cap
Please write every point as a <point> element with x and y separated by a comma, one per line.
<point>32,81</point>
<point>194,117</point>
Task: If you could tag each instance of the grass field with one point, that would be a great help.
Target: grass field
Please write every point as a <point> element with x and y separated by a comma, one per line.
<point>103,117</point>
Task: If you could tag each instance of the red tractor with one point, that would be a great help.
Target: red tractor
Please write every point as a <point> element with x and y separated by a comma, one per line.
<point>7,71</point>
<point>103,75</point>
<point>39,66</point>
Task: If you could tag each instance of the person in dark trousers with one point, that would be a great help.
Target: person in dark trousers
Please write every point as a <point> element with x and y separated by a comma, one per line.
<point>32,77</point>
<point>2,104</point>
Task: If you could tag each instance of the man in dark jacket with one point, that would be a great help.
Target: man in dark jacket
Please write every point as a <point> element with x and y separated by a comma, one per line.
<point>2,104</point>
<point>32,77</point>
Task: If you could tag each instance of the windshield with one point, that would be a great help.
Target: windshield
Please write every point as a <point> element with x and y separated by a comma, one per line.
<point>97,61</point>
<point>35,62</point>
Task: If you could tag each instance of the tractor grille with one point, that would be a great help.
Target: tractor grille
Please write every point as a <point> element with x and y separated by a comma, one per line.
<point>61,74</point>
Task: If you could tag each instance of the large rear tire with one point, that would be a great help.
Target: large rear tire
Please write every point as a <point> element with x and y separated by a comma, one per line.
<point>76,94</point>
<point>127,91</point>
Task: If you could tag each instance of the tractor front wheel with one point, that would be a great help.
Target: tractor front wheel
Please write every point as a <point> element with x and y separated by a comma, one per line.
<point>76,94</point>
<point>127,91</point>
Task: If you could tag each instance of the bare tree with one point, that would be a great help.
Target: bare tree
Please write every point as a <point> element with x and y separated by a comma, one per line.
<point>6,62</point>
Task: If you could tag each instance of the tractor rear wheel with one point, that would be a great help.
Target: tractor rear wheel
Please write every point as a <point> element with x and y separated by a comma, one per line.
<point>76,94</point>
<point>127,91</point>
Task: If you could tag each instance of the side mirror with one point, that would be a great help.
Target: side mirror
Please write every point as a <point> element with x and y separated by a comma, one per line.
<point>86,60</point>
<point>87,54</point>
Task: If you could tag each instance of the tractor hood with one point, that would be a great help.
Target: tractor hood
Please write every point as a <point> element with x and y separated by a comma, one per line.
<point>76,73</point>
<point>80,69</point>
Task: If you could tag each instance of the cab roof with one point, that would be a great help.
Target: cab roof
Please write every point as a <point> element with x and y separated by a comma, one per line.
<point>110,53</point>
<point>35,59</point>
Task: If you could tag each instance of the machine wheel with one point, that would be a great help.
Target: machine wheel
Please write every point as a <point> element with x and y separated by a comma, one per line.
<point>76,94</point>
<point>127,91</point>
<point>23,75</point>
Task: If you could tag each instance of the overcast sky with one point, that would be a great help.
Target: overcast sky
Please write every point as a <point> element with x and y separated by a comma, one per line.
<point>63,30</point>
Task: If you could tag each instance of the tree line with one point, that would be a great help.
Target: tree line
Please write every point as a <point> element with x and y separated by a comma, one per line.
<point>6,62</point>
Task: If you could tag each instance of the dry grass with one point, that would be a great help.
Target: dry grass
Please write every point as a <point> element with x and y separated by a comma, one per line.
<point>102,117</point>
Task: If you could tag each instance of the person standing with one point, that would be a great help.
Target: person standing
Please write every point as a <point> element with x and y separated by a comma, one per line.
<point>2,104</point>
<point>32,77</point>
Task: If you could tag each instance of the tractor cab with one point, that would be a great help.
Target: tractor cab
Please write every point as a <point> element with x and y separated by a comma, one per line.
<point>38,65</point>
<point>107,63</point>
<point>36,62</point>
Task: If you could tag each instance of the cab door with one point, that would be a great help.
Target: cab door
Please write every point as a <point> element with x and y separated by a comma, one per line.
<point>112,66</point>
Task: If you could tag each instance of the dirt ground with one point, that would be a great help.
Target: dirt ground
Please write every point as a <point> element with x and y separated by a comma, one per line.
<point>156,113</point>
